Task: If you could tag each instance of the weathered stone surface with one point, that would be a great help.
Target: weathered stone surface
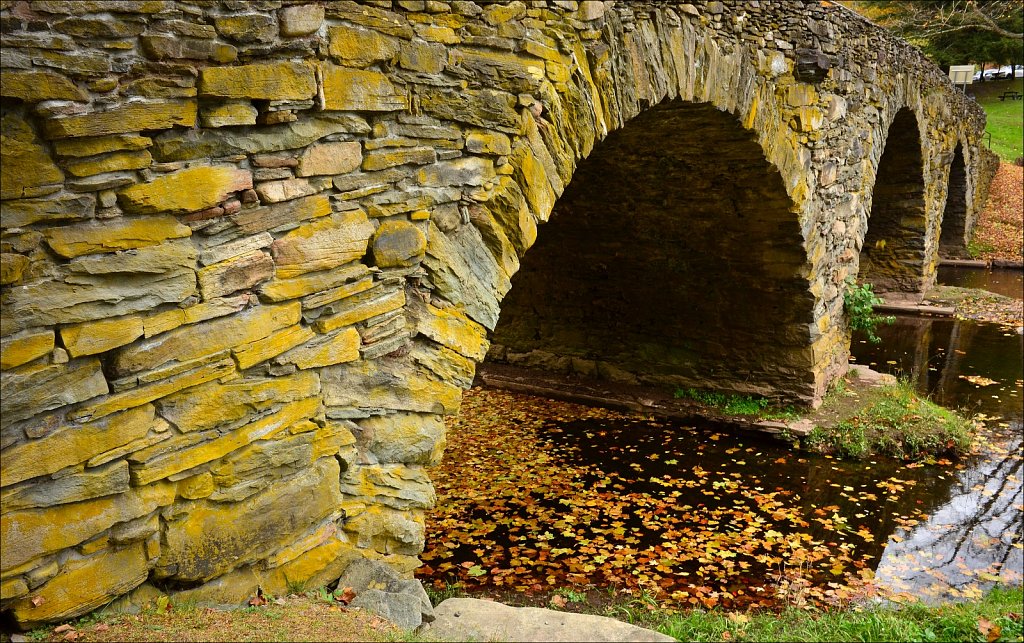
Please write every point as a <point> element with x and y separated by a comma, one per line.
<point>330,158</point>
<point>483,142</point>
<point>266,81</point>
<point>288,189</point>
<point>465,273</point>
<point>211,539</point>
<point>14,214</point>
<point>393,485</point>
<point>88,484</point>
<point>174,255</point>
<point>173,461</point>
<point>24,347</point>
<point>472,619</point>
<point>237,273</point>
<point>187,190</point>
<point>336,348</point>
<point>117,161</point>
<point>387,383</point>
<point>35,388</point>
<point>380,590</point>
<point>246,27</point>
<point>161,47</point>
<point>300,20</point>
<point>280,289</point>
<point>192,342</point>
<point>79,147</point>
<point>27,166</point>
<point>31,533</point>
<point>85,584</point>
<point>100,336</point>
<point>131,117</point>
<point>385,158</point>
<point>361,306</point>
<point>398,244</point>
<point>211,405</point>
<point>412,438</point>
<point>361,90</point>
<point>282,214</point>
<point>12,267</point>
<point>357,47</point>
<point>228,114</point>
<point>35,86</point>
<point>325,243</point>
<point>112,236</point>
<point>263,349</point>
<point>71,444</point>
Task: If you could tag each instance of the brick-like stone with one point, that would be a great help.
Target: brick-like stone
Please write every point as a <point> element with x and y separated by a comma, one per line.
<point>330,158</point>
<point>336,348</point>
<point>114,235</point>
<point>36,86</point>
<point>101,335</point>
<point>36,388</point>
<point>300,20</point>
<point>228,114</point>
<point>188,190</point>
<point>27,165</point>
<point>132,117</point>
<point>266,81</point>
<point>24,347</point>
<point>247,27</point>
<point>357,47</point>
<point>322,244</point>
<point>361,90</point>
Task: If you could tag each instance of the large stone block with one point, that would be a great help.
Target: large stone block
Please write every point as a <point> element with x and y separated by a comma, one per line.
<point>410,438</point>
<point>210,539</point>
<point>24,347</point>
<point>72,444</point>
<point>361,90</point>
<point>26,167</point>
<point>111,236</point>
<point>330,158</point>
<point>398,244</point>
<point>188,190</point>
<point>35,86</point>
<point>325,243</point>
<point>23,212</point>
<point>31,533</point>
<point>452,328</point>
<point>101,335</point>
<point>358,47</point>
<point>131,117</point>
<point>34,388</point>
<point>84,584</point>
<point>387,383</point>
<point>192,342</point>
<point>91,483</point>
<point>336,348</point>
<point>265,81</point>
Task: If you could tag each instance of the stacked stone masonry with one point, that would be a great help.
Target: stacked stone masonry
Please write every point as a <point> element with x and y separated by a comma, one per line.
<point>252,251</point>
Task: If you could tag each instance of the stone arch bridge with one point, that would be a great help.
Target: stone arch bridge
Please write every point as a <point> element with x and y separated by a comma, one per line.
<point>253,251</point>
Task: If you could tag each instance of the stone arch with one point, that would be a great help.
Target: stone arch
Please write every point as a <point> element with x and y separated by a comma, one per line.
<point>893,253</point>
<point>674,258</point>
<point>954,223</point>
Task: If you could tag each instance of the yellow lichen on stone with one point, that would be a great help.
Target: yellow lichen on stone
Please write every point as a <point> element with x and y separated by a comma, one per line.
<point>266,81</point>
<point>117,161</point>
<point>188,190</point>
<point>35,86</point>
<point>79,147</point>
<point>132,117</point>
<point>84,584</point>
<point>102,335</point>
<point>360,90</point>
<point>26,164</point>
<point>360,47</point>
<point>24,347</point>
<point>336,349</point>
<point>452,328</point>
<point>113,235</point>
<point>261,350</point>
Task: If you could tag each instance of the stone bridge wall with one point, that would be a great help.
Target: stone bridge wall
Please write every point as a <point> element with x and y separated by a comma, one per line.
<point>252,250</point>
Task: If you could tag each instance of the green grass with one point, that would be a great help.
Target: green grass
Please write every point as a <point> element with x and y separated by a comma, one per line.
<point>896,422</point>
<point>915,622</point>
<point>1005,117</point>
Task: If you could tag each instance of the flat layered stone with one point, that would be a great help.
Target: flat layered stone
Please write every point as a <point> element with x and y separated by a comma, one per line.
<point>31,533</point>
<point>192,342</point>
<point>237,273</point>
<point>162,47</point>
<point>84,485</point>
<point>360,90</point>
<point>228,114</point>
<point>360,307</point>
<point>36,86</point>
<point>213,538</point>
<point>324,243</point>
<point>113,235</point>
<point>72,444</point>
<point>114,162</point>
<point>263,349</point>
<point>79,147</point>
<point>265,81</point>
<point>24,347</point>
<point>131,117</point>
<point>246,27</point>
<point>12,267</point>
<point>214,404</point>
<point>451,327</point>
<point>23,212</point>
<point>357,47</point>
<point>398,486</point>
<point>84,585</point>
<point>387,158</point>
<point>35,388</point>
<point>176,461</point>
<point>188,190</point>
<point>336,348</point>
<point>279,289</point>
<point>27,165</point>
<point>173,255</point>
<point>330,158</point>
<point>410,438</point>
<point>289,189</point>
<point>101,336</point>
<point>277,215</point>
<point>387,383</point>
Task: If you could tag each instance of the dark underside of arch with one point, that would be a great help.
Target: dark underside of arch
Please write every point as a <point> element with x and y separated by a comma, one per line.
<point>953,238</point>
<point>892,258</point>
<point>672,259</point>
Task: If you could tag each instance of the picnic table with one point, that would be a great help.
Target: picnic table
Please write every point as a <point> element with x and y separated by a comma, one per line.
<point>1011,94</point>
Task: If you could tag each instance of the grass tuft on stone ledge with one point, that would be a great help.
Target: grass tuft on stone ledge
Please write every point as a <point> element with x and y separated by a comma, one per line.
<point>894,421</point>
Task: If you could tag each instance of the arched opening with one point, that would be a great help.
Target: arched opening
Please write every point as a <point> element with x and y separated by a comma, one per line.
<point>892,258</point>
<point>673,259</point>
<point>953,238</point>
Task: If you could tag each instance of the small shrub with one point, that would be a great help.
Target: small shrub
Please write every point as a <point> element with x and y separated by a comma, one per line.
<point>859,304</point>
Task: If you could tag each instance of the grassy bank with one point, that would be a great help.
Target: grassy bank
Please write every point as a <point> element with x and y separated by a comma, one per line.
<point>1005,117</point>
<point>892,420</point>
<point>995,617</point>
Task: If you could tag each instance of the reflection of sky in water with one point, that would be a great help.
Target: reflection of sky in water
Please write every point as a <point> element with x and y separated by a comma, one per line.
<point>973,538</point>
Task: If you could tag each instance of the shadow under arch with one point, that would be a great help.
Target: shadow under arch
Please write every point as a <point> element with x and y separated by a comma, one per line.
<point>893,254</point>
<point>953,235</point>
<point>674,258</point>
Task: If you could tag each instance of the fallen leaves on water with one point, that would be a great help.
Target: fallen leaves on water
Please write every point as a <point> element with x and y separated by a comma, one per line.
<point>978,380</point>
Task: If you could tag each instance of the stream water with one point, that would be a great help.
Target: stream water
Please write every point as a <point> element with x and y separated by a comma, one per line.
<point>536,494</point>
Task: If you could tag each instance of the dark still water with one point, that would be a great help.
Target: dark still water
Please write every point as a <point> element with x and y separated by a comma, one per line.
<point>536,494</point>
<point>1000,281</point>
